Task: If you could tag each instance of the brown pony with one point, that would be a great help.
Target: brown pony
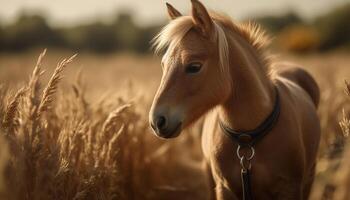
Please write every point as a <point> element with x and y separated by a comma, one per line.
<point>213,64</point>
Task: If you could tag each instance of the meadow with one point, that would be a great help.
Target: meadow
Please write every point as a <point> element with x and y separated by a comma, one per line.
<point>76,127</point>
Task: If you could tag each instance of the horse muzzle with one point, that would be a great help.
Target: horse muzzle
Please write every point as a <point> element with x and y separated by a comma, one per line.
<point>165,127</point>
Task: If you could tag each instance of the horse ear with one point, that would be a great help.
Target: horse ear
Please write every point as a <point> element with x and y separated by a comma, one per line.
<point>173,13</point>
<point>201,18</point>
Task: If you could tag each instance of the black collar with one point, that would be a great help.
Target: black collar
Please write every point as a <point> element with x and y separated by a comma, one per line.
<point>250,138</point>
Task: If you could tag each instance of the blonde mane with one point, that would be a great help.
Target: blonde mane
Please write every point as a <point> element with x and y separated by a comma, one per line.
<point>172,34</point>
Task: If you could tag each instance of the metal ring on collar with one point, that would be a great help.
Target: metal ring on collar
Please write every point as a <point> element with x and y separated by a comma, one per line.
<point>252,153</point>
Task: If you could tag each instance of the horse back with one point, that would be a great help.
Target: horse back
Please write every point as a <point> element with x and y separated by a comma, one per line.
<point>303,79</point>
<point>300,95</point>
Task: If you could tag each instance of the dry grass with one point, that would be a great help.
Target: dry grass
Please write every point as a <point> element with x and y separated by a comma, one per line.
<point>60,146</point>
<point>57,143</point>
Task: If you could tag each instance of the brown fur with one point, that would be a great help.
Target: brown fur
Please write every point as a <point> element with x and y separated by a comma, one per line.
<point>283,167</point>
<point>303,79</point>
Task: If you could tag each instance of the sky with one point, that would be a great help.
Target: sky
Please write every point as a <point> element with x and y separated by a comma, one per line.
<point>71,12</point>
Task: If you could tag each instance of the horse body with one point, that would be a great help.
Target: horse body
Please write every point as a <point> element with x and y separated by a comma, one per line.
<point>285,159</point>
<point>234,84</point>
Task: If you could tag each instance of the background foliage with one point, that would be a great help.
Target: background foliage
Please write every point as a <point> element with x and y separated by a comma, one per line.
<point>328,31</point>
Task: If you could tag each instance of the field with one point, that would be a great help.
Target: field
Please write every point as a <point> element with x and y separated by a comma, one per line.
<point>79,129</point>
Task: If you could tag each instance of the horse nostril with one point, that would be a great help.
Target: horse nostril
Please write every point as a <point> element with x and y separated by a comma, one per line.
<point>161,122</point>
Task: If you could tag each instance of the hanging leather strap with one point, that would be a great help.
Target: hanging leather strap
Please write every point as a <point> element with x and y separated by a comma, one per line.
<point>246,185</point>
<point>247,140</point>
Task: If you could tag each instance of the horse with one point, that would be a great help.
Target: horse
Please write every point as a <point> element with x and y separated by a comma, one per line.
<point>221,70</point>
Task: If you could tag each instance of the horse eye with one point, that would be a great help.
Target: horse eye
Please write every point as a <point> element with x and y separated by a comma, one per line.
<point>193,68</point>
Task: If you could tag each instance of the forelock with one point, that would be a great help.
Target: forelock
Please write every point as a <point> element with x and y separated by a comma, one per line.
<point>170,36</point>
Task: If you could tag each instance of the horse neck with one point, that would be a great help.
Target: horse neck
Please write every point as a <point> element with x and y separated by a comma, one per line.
<point>250,101</point>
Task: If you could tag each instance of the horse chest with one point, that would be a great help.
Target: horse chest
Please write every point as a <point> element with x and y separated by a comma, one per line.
<point>267,182</point>
<point>267,175</point>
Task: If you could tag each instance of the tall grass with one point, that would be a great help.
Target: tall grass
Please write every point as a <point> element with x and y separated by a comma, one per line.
<point>56,144</point>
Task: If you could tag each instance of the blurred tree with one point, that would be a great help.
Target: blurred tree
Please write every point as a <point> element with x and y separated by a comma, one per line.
<point>98,37</point>
<point>298,38</point>
<point>73,37</point>
<point>101,37</point>
<point>29,31</point>
<point>334,28</point>
<point>127,32</point>
<point>275,24</point>
<point>122,34</point>
<point>2,35</point>
<point>144,39</point>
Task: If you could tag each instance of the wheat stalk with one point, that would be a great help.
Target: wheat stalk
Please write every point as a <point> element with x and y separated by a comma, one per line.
<point>11,110</point>
<point>347,88</point>
<point>345,124</point>
<point>37,68</point>
<point>112,117</point>
<point>51,87</point>
<point>37,71</point>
